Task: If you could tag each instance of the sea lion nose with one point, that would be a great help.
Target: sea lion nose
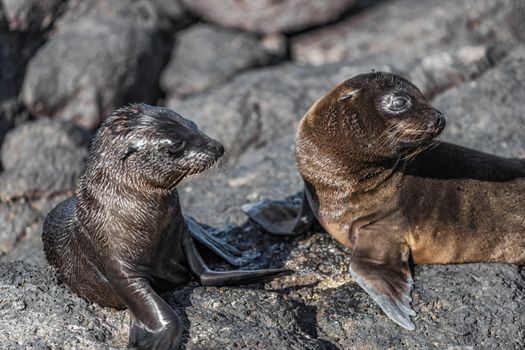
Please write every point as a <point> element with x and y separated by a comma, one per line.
<point>217,147</point>
<point>220,148</point>
<point>440,119</point>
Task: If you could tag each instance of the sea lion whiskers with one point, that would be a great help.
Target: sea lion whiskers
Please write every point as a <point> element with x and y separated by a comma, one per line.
<point>179,179</point>
<point>387,138</point>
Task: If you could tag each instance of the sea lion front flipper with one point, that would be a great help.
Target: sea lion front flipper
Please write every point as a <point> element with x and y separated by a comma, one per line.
<point>282,217</point>
<point>140,337</point>
<point>381,268</point>
<point>205,276</point>
<point>226,251</point>
<point>154,325</point>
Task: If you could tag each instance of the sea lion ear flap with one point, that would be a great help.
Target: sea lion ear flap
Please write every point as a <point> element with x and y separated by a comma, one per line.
<point>119,125</point>
<point>347,95</point>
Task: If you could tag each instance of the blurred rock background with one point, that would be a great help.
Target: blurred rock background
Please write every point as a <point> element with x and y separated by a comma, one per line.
<point>245,71</point>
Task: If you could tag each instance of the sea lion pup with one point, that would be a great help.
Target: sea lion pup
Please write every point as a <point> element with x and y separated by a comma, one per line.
<point>123,238</point>
<point>374,180</point>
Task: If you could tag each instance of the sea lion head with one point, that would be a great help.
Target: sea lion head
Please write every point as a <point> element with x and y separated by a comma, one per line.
<point>153,145</point>
<point>377,115</point>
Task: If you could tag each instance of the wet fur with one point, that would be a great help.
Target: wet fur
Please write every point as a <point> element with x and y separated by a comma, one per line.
<point>123,239</point>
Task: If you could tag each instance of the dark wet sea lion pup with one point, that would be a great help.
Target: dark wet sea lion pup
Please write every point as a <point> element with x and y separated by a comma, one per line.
<point>123,238</point>
<point>378,182</point>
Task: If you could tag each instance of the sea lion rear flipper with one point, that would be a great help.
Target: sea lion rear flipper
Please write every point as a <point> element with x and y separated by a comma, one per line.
<point>226,251</point>
<point>207,277</point>
<point>381,268</point>
<point>282,217</point>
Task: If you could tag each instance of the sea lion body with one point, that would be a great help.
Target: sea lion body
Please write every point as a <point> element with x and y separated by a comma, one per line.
<point>123,238</point>
<point>83,266</point>
<point>379,183</point>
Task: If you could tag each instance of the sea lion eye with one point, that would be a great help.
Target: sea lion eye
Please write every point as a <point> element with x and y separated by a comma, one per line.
<point>176,148</point>
<point>398,104</point>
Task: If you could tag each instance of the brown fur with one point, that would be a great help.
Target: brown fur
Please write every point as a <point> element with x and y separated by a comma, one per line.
<point>378,181</point>
<point>449,203</point>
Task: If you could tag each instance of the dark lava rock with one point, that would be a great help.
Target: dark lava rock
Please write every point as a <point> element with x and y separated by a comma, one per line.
<point>477,305</point>
<point>10,70</point>
<point>42,158</point>
<point>15,50</point>
<point>487,113</point>
<point>412,28</point>
<point>259,106</point>
<point>171,14</point>
<point>231,318</point>
<point>205,56</point>
<point>31,15</point>
<point>97,61</point>
<point>269,16</point>
<point>38,312</point>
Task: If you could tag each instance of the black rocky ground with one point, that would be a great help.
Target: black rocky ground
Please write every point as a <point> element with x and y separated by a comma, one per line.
<point>246,74</point>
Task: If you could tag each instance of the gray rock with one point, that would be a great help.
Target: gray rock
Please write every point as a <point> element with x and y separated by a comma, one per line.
<point>269,16</point>
<point>265,173</point>
<point>167,15</point>
<point>37,313</point>
<point>445,69</point>
<point>259,106</point>
<point>42,159</point>
<point>478,305</point>
<point>16,220</point>
<point>487,113</point>
<point>22,237</point>
<point>172,14</point>
<point>412,27</point>
<point>31,15</point>
<point>28,139</point>
<point>94,64</point>
<point>205,56</point>
<point>143,13</point>
<point>228,318</point>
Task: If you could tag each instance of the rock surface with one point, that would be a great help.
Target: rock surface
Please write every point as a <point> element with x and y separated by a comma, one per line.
<point>42,158</point>
<point>487,114</point>
<point>53,316</point>
<point>468,305</point>
<point>412,28</point>
<point>269,16</point>
<point>94,63</point>
<point>31,15</point>
<point>205,56</point>
<point>257,107</point>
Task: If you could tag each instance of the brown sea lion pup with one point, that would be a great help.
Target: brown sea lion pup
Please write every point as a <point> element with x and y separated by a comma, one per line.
<point>376,179</point>
<point>123,238</point>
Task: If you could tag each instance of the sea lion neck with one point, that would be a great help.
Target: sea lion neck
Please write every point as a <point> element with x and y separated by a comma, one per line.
<point>339,170</point>
<point>122,194</point>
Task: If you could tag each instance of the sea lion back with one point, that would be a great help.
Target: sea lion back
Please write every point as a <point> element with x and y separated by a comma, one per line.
<point>57,232</point>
